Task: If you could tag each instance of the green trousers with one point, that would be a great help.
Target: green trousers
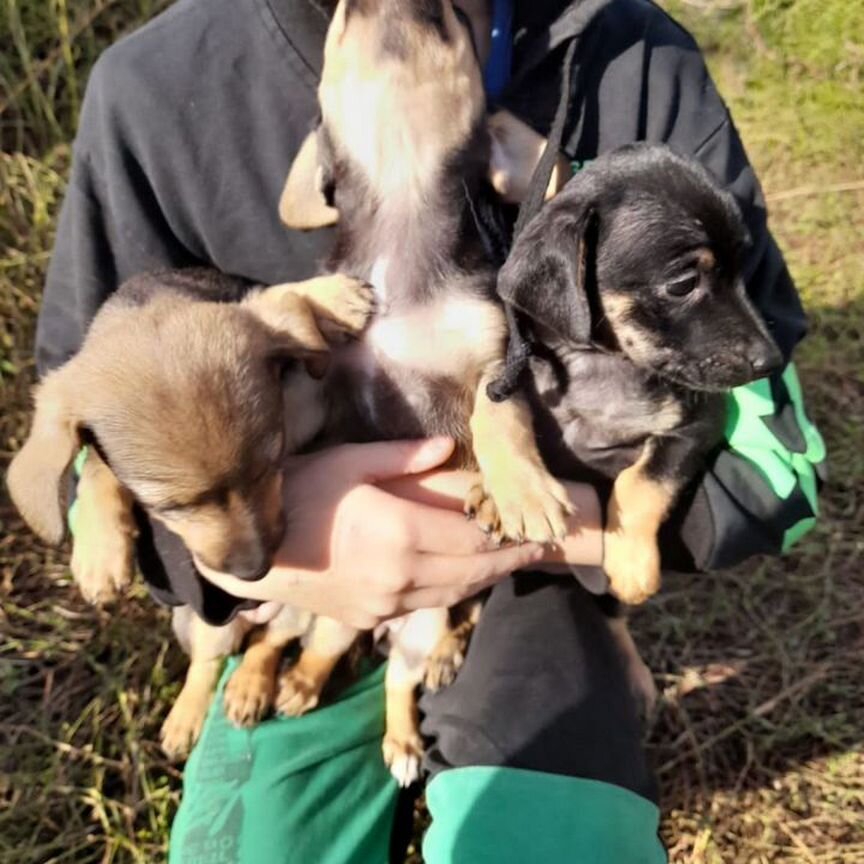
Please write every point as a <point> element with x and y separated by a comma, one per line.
<point>314,790</point>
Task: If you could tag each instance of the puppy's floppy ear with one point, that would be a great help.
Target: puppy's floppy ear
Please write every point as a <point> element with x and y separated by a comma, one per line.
<point>37,473</point>
<point>547,272</point>
<point>516,150</point>
<point>305,203</point>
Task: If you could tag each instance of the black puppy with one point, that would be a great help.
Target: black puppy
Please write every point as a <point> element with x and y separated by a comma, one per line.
<point>631,282</point>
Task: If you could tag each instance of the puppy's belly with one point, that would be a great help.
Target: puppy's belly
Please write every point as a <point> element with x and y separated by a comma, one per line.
<point>453,337</point>
<point>415,372</point>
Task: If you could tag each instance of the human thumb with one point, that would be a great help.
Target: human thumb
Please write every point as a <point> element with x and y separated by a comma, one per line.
<point>385,460</point>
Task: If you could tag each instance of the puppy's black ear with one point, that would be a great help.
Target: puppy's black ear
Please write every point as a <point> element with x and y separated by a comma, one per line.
<point>546,274</point>
<point>307,199</point>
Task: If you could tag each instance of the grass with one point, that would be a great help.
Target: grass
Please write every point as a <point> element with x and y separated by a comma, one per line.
<point>758,742</point>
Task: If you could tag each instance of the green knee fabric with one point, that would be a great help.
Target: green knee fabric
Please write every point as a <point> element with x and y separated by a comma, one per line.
<point>490,815</point>
<point>310,790</point>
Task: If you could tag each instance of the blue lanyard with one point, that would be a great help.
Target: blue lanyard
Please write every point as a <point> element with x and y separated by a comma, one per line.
<point>497,72</point>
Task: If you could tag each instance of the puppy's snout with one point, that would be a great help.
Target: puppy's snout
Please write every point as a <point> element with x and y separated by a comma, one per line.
<point>764,358</point>
<point>249,564</point>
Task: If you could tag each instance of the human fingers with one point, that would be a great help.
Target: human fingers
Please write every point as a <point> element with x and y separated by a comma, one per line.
<point>467,574</point>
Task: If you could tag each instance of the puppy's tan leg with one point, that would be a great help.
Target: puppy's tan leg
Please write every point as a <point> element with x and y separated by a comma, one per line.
<point>638,674</point>
<point>300,686</point>
<point>251,690</point>
<point>413,640</point>
<point>520,499</point>
<point>447,657</point>
<point>334,306</point>
<point>104,545</point>
<point>207,646</point>
<point>637,507</point>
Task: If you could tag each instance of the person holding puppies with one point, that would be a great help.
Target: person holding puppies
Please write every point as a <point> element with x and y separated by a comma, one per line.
<point>187,133</point>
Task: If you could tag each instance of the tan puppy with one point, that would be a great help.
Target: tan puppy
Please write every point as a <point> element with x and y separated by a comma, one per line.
<point>189,397</point>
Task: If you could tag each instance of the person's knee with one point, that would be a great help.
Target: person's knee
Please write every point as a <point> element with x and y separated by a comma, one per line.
<point>544,688</point>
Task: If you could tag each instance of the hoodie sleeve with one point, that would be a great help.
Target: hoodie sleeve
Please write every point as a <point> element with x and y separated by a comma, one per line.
<point>111,225</point>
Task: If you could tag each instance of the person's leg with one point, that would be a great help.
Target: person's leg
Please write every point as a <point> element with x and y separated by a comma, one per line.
<point>535,750</point>
<point>297,789</point>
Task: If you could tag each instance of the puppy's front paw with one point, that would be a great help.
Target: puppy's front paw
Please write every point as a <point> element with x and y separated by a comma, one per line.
<point>249,696</point>
<point>403,756</point>
<point>521,501</point>
<point>632,563</point>
<point>342,305</point>
<point>183,725</point>
<point>102,563</point>
<point>298,693</point>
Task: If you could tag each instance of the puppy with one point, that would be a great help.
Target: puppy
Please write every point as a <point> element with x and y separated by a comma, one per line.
<point>631,282</point>
<point>404,162</point>
<point>189,388</point>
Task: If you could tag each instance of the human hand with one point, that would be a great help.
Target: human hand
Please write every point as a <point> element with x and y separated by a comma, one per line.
<point>583,545</point>
<point>359,553</point>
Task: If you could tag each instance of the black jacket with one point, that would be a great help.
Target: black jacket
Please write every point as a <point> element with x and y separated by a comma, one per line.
<point>190,124</point>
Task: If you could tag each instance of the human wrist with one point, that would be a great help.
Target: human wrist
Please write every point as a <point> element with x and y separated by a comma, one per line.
<point>583,544</point>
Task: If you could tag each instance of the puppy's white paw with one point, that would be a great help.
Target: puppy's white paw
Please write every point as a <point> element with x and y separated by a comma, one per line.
<point>403,756</point>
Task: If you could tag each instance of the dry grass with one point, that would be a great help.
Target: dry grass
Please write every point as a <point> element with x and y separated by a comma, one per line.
<point>759,741</point>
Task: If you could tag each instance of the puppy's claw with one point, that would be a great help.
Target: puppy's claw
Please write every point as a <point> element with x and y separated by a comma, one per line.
<point>403,758</point>
<point>298,694</point>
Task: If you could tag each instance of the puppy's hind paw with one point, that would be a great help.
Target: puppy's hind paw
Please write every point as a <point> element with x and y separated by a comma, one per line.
<point>403,757</point>
<point>298,693</point>
<point>249,696</point>
<point>181,730</point>
<point>447,658</point>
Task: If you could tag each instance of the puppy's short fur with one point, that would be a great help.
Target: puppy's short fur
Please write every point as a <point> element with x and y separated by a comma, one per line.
<point>631,279</point>
<point>190,389</point>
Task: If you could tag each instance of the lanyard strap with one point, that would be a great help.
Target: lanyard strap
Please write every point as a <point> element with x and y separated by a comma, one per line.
<point>519,347</point>
<point>496,75</point>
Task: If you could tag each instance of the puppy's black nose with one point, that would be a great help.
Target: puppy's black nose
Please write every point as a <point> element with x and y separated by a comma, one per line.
<point>764,359</point>
<point>248,564</point>
<point>250,573</point>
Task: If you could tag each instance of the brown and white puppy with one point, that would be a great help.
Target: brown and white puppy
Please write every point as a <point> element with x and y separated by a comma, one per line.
<point>190,389</point>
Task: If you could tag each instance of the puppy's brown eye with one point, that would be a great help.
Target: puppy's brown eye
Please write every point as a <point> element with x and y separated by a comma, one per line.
<point>682,287</point>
